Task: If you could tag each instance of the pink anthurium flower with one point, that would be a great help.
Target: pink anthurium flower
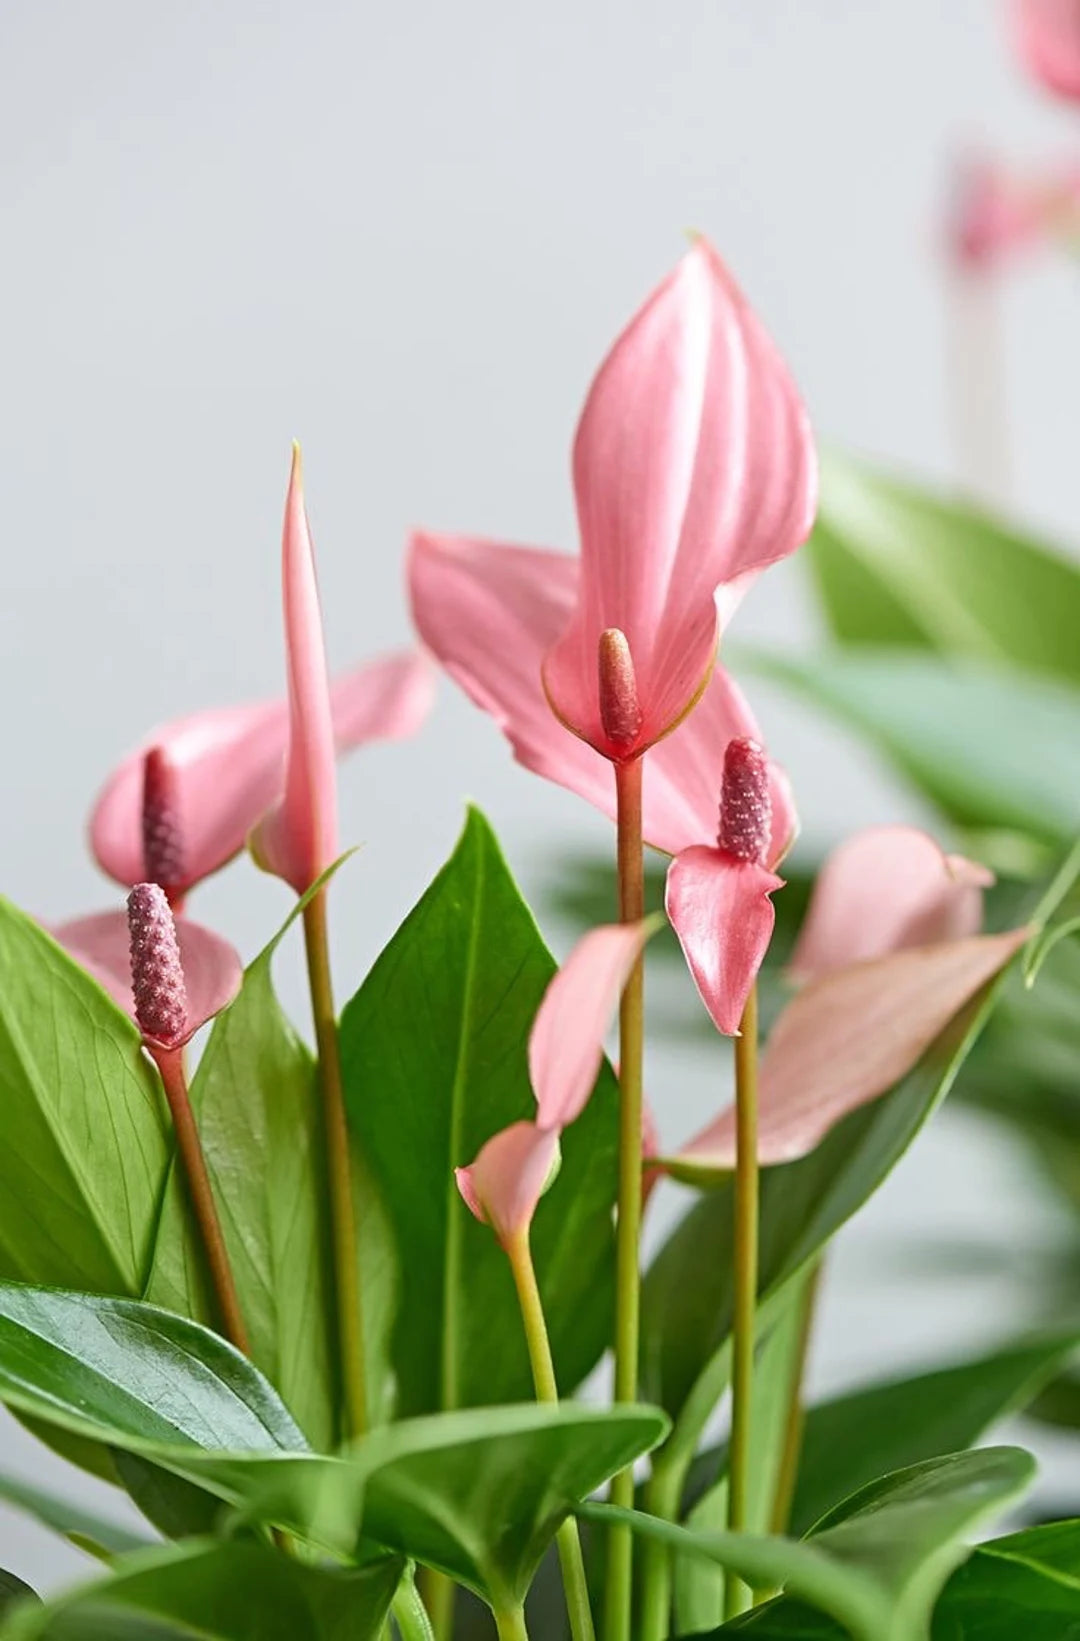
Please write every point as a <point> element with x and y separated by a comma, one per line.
<point>996,214</point>
<point>504,1184</point>
<point>184,803</point>
<point>169,974</point>
<point>693,469</point>
<point>890,956</point>
<point>1047,34</point>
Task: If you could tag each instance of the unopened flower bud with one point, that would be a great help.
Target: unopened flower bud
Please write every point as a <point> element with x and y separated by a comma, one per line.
<point>157,976</point>
<point>620,709</point>
<point>162,831</point>
<point>745,802</point>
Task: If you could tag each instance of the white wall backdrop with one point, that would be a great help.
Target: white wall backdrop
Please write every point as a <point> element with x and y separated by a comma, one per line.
<point>406,234</point>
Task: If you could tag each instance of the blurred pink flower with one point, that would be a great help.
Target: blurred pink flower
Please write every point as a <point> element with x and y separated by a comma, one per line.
<point>996,214</point>
<point>890,954</point>
<point>187,799</point>
<point>1047,36</point>
<point>192,973</point>
<point>566,1045</point>
<point>693,469</point>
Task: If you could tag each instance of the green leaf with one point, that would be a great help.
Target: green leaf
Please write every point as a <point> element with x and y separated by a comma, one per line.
<point>84,1528</point>
<point>478,1494</point>
<point>434,1050</point>
<point>256,1100</point>
<point>699,1585</point>
<point>14,1593</point>
<point>895,564</point>
<point>1025,1587</point>
<point>992,747</point>
<point>878,1564</point>
<point>883,1427</point>
<point>687,1301</point>
<point>239,1591</point>
<point>83,1147</point>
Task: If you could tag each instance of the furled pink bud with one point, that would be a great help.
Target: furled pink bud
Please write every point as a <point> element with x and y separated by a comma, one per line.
<point>157,975</point>
<point>745,802</point>
<point>620,709</point>
<point>162,831</point>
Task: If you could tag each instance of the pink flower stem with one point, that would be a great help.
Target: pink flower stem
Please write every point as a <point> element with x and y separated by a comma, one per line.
<point>571,1560</point>
<point>170,1063</point>
<point>631,877</point>
<point>339,1167</point>
<point>736,1595</point>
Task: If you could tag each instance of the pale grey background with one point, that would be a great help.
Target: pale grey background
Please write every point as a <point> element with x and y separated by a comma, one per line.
<point>406,234</point>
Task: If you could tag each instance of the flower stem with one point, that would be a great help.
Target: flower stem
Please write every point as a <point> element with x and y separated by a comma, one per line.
<point>631,875</point>
<point>339,1166</point>
<point>736,1596</point>
<point>568,1539</point>
<point>170,1063</point>
<point>511,1625</point>
<point>410,1614</point>
<point>788,1473</point>
<point>662,1499</point>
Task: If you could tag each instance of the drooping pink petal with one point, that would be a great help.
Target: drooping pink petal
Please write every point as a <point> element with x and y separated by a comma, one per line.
<point>505,1183</point>
<point>996,213</point>
<point>1047,34</point>
<point>230,764</point>
<point>849,1037</point>
<point>721,911</point>
<point>884,889</point>
<point>693,468</point>
<point>297,838</point>
<point>211,967</point>
<point>566,1044</point>
<point>489,614</point>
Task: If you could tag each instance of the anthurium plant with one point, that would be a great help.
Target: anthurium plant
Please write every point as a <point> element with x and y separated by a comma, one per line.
<point>323,1312</point>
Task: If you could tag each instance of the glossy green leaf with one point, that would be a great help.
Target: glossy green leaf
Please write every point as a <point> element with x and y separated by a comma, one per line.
<point>14,1593</point>
<point>478,1494</point>
<point>434,1050</point>
<point>868,1432</point>
<point>1025,1587</point>
<point>992,747</point>
<point>878,1565</point>
<point>895,564</point>
<point>85,1528</point>
<point>256,1101</point>
<point>238,1591</point>
<point>83,1146</point>
<point>687,1301</point>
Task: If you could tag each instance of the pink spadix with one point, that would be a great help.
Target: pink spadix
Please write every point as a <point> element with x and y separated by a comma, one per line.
<point>157,974</point>
<point>162,824</point>
<point>620,708</point>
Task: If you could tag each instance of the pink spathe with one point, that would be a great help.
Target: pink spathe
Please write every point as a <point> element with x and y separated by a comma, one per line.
<point>721,910</point>
<point>297,839</point>
<point>693,470</point>
<point>996,214</point>
<point>847,1038</point>
<point>566,1045</point>
<point>1047,35</point>
<point>489,614</point>
<point>884,889</point>
<point>211,968</point>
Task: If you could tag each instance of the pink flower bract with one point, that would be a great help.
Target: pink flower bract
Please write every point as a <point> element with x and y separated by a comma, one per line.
<point>1047,35</point>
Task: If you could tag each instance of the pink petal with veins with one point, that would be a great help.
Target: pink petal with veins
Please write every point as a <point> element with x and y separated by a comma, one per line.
<point>721,911</point>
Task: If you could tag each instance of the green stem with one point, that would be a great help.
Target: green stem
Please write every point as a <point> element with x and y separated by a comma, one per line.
<point>631,874</point>
<point>662,1498</point>
<point>410,1614</point>
<point>736,1596</point>
<point>788,1473</point>
<point>437,1591</point>
<point>1063,881</point>
<point>339,1167</point>
<point>568,1539</point>
<point>511,1625</point>
<point>170,1062</point>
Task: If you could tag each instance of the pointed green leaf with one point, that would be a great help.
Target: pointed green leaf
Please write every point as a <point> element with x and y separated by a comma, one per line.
<point>896,564</point>
<point>14,1593</point>
<point>83,1145</point>
<point>434,1051</point>
<point>878,1564</point>
<point>85,1528</point>
<point>238,1591</point>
